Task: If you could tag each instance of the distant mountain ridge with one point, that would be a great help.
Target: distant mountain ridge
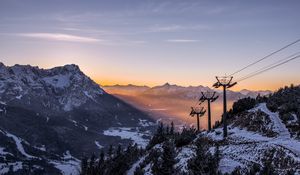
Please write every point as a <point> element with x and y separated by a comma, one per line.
<point>191,92</point>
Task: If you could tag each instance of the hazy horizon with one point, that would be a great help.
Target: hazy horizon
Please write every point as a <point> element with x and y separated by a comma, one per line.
<point>141,85</point>
<point>153,42</point>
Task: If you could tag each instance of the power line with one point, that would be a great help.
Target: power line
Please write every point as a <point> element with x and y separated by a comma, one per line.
<point>269,68</point>
<point>266,67</point>
<point>271,54</point>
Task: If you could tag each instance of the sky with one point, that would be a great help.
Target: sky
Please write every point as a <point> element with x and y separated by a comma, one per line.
<point>151,42</point>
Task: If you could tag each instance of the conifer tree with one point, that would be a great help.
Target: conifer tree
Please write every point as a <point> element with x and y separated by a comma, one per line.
<point>172,128</point>
<point>168,159</point>
<point>110,151</point>
<point>84,166</point>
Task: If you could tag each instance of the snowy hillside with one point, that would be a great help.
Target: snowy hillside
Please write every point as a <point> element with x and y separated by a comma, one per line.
<point>260,141</point>
<point>244,148</point>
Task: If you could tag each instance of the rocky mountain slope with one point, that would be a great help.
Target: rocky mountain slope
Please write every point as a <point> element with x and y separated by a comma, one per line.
<point>50,118</point>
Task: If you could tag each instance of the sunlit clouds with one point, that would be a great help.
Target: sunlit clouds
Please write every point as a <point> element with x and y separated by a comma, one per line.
<point>59,37</point>
<point>181,41</point>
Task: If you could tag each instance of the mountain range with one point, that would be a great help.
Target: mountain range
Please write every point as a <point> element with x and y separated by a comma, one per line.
<point>50,118</point>
<point>173,102</point>
<point>189,92</point>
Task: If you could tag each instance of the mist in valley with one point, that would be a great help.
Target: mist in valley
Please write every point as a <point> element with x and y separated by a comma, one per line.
<point>168,108</point>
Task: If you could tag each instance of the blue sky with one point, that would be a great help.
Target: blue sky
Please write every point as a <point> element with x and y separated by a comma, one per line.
<point>155,41</point>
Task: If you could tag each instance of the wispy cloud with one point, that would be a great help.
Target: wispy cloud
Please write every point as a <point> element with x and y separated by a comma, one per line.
<point>166,28</point>
<point>182,41</point>
<point>60,37</point>
<point>173,28</point>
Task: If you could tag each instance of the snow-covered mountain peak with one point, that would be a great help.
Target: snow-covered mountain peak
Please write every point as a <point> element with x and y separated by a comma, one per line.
<point>71,67</point>
<point>67,85</point>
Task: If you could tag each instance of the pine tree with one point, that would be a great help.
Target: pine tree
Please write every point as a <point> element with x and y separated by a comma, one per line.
<point>167,130</point>
<point>119,150</point>
<point>158,137</point>
<point>168,159</point>
<point>156,166</point>
<point>101,164</point>
<point>268,168</point>
<point>172,128</point>
<point>84,166</point>
<point>110,151</point>
<point>204,162</point>
<point>91,166</point>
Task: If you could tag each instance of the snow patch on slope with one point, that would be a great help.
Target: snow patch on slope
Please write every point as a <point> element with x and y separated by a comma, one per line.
<point>19,145</point>
<point>246,147</point>
<point>98,145</point>
<point>128,133</point>
<point>135,165</point>
<point>68,166</point>
<point>4,167</point>
<point>185,154</point>
<point>59,81</point>
<point>279,127</point>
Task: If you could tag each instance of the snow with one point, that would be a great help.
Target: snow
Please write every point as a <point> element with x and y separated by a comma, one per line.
<point>4,167</point>
<point>279,127</point>
<point>67,155</point>
<point>2,103</point>
<point>19,97</point>
<point>247,147</point>
<point>85,127</point>
<point>2,152</point>
<point>98,145</point>
<point>148,170</point>
<point>185,154</point>
<point>145,123</point>
<point>128,133</point>
<point>19,145</point>
<point>59,81</point>
<point>69,165</point>
<point>42,148</point>
<point>135,165</point>
<point>228,165</point>
<point>86,93</point>
<point>18,87</point>
<point>75,122</point>
<point>294,120</point>
<point>67,105</point>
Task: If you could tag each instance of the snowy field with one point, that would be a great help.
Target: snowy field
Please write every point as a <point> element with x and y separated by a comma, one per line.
<point>129,133</point>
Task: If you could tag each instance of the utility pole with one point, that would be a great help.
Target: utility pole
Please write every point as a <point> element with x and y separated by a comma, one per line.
<point>226,83</point>
<point>210,96</point>
<point>199,112</point>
